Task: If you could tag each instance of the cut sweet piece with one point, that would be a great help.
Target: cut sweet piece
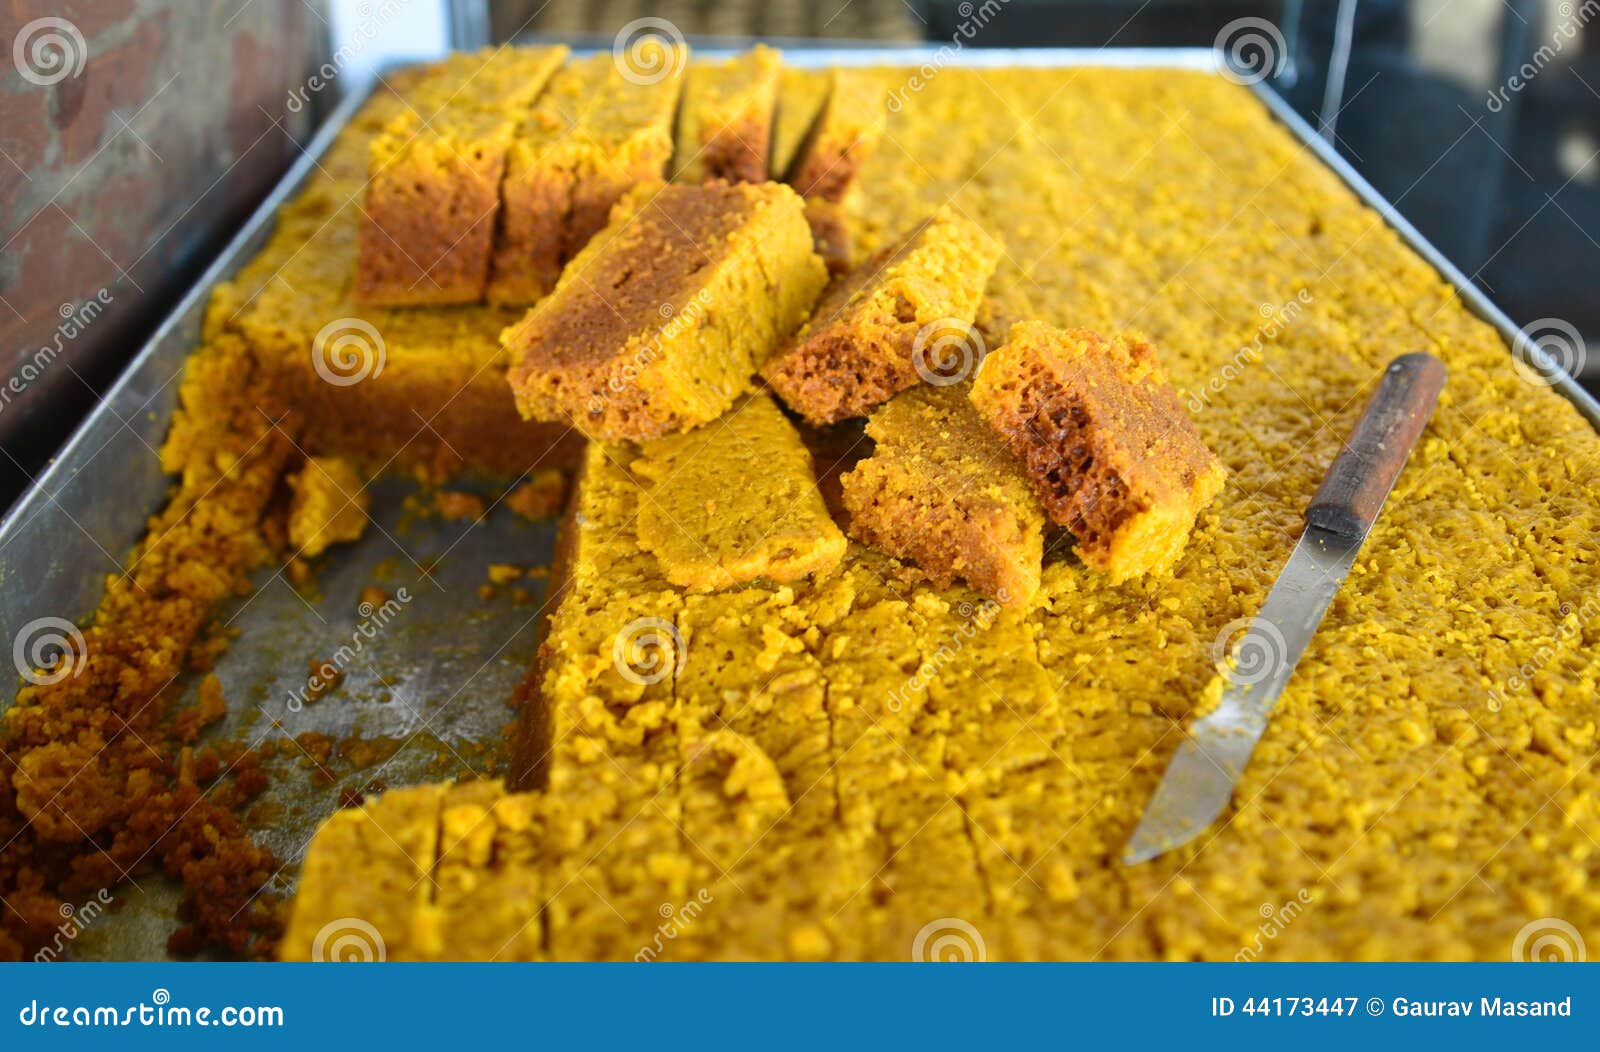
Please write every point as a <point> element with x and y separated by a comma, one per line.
<point>890,323</point>
<point>801,95</point>
<point>365,876</point>
<point>941,490</point>
<point>830,232</point>
<point>1106,441</point>
<point>725,123</point>
<point>389,389</point>
<point>328,505</point>
<point>435,872</point>
<point>843,137</point>
<point>594,134</point>
<point>435,172</point>
<point>735,502</point>
<point>661,321</point>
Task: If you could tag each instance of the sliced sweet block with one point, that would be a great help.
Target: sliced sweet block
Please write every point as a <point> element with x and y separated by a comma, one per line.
<point>489,878</point>
<point>903,316</point>
<point>1105,440</point>
<point>595,133</point>
<point>830,232</point>
<point>842,138</point>
<point>802,93</point>
<point>725,122</point>
<point>389,389</point>
<point>663,318</point>
<point>327,506</point>
<point>435,172</point>
<point>366,875</point>
<point>941,490</point>
<point>735,502</point>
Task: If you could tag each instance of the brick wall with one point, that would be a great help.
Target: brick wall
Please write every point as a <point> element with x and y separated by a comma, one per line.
<point>135,135</point>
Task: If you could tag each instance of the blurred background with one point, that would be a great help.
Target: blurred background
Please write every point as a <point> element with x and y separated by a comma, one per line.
<point>135,135</point>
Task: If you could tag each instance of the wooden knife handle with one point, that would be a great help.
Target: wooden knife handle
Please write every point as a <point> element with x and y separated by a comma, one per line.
<point>1364,473</point>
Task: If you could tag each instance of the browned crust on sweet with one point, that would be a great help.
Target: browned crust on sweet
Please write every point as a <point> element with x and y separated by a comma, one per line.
<point>614,348</point>
<point>830,233</point>
<point>737,152</point>
<point>941,491</point>
<point>548,216</point>
<point>857,351</point>
<point>530,246</point>
<point>427,235</point>
<point>841,140</point>
<point>379,422</point>
<point>1101,433</point>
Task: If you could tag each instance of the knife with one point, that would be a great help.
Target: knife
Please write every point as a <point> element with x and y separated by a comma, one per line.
<point>1200,779</point>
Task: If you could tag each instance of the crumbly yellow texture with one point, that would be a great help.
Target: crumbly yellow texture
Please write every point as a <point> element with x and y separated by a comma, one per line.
<point>410,389</point>
<point>435,169</point>
<point>901,316</point>
<point>735,502</point>
<point>844,136</point>
<point>1105,441</point>
<point>801,95</point>
<point>1425,782</point>
<point>594,133</point>
<point>940,490</point>
<point>725,120</point>
<point>327,506</point>
<point>659,324</point>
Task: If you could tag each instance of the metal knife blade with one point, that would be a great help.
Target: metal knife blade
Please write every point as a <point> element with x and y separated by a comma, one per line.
<point>1201,776</point>
<point>1202,773</point>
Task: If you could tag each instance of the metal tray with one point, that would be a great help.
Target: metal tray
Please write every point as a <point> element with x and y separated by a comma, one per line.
<point>439,677</point>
